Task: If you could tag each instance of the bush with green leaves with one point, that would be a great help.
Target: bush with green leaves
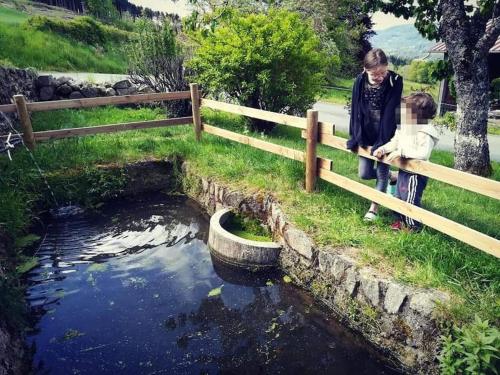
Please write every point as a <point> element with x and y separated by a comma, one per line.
<point>448,121</point>
<point>156,59</point>
<point>268,61</point>
<point>82,29</point>
<point>471,349</point>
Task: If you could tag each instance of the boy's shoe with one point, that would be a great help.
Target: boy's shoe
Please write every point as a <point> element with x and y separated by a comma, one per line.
<point>397,225</point>
<point>370,216</point>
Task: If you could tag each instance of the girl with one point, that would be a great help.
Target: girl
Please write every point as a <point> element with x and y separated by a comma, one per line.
<point>376,96</point>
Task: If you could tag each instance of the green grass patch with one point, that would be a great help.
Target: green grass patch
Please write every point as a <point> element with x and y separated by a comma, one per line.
<point>11,16</point>
<point>247,228</point>
<point>332,216</point>
<point>44,50</point>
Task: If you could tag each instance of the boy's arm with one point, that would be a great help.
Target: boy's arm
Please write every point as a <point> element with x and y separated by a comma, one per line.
<point>392,145</point>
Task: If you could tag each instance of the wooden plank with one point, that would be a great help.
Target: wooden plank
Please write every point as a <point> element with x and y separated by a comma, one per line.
<point>6,108</point>
<point>66,133</point>
<point>297,122</point>
<point>324,164</point>
<point>476,184</point>
<point>257,143</point>
<point>109,100</point>
<point>24,118</point>
<point>469,236</point>
<point>326,128</point>
<point>195,104</point>
<point>311,142</point>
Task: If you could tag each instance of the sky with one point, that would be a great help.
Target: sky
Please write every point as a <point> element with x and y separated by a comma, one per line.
<point>181,7</point>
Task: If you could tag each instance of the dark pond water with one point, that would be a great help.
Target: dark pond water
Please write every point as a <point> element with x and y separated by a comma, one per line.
<point>133,290</point>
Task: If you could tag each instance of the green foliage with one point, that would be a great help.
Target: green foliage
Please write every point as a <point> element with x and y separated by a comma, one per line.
<point>45,50</point>
<point>471,349</point>
<point>495,89</point>
<point>448,120</point>
<point>272,62</point>
<point>156,59</point>
<point>421,71</point>
<point>102,9</point>
<point>83,29</point>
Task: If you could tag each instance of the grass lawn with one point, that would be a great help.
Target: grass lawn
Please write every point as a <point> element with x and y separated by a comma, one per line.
<point>332,215</point>
<point>11,16</point>
<point>26,48</point>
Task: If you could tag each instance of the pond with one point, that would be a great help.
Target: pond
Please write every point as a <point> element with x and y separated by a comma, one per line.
<point>133,289</point>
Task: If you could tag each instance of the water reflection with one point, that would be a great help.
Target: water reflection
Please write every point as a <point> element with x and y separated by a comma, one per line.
<point>127,291</point>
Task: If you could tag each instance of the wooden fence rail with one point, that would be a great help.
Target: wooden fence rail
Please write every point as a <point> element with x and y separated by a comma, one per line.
<point>476,184</point>
<point>314,131</point>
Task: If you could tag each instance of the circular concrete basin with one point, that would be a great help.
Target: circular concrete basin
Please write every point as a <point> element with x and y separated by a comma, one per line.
<point>239,251</point>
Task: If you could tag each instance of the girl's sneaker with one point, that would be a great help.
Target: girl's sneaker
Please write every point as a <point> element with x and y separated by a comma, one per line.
<point>370,216</point>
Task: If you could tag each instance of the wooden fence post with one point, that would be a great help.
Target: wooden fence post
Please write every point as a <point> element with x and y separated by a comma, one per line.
<point>24,118</point>
<point>195,104</point>
<point>311,142</point>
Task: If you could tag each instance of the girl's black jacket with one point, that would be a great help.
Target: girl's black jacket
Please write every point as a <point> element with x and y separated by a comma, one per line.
<point>360,115</point>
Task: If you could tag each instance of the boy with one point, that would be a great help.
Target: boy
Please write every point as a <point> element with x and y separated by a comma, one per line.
<point>414,139</point>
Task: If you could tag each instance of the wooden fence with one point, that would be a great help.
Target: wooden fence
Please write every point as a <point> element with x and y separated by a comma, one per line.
<point>313,131</point>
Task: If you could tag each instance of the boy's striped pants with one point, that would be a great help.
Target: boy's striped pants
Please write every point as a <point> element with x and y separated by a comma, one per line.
<point>410,188</point>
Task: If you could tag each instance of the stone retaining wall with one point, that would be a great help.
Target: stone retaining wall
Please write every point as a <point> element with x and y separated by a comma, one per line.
<point>397,318</point>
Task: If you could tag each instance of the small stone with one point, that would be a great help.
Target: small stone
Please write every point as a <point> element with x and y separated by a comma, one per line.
<point>423,303</point>
<point>64,90</point>
<point>45,80</point>
<point>299,241</point>
<point>326,261</point>
<point>370,287</point>
<point>338,269</point>
<point>89,92</point>
<point>110,91</point>
<point>46,93</point>
<point>62,81</point>
<point>125,84</point>
<point>204,183</point>
<point>76,95</point>
<point>351,281</point>
<point>394,298</point>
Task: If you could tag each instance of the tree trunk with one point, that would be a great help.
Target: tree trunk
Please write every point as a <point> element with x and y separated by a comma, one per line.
<point>471,143</point>
<point>470,64</point>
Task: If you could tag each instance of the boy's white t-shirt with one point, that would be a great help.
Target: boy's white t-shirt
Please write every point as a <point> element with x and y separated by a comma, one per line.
<point>413,141</point>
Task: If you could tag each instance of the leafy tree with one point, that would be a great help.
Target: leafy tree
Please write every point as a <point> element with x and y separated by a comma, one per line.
<point>156,60</point>
<point>272,62</point>
<point>102,9</point>
<point>469,30</point>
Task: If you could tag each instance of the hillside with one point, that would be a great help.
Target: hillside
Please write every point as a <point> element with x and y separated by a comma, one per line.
<point>24,46</point>
<point>403,41</point>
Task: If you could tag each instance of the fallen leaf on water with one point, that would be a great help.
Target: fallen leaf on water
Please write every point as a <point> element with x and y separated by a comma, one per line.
<point>287,279</point>
<point>216,291</point>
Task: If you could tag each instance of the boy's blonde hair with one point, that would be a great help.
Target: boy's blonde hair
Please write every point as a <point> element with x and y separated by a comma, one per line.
<point>375,58</point>
<point>422,104</point>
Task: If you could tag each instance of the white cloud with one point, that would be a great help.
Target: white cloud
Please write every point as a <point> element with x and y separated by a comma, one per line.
<point>384,21</point>
<point>180,7</point>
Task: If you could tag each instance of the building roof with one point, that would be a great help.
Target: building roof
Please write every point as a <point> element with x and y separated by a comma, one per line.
<point>441,47</point>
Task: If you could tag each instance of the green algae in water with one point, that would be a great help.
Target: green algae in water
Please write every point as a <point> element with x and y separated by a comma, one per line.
<point>247,228</point>
<point>97,267</point>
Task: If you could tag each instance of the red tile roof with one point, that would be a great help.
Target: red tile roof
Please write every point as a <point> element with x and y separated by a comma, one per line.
<point>441,47</point>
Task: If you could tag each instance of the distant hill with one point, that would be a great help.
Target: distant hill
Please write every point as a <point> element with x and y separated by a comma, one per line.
<point>403,41</point>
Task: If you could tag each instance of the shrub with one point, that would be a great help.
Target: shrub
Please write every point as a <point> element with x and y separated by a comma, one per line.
<point>269,61</point>
<point>472,349</point>
<point>156,60</point>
